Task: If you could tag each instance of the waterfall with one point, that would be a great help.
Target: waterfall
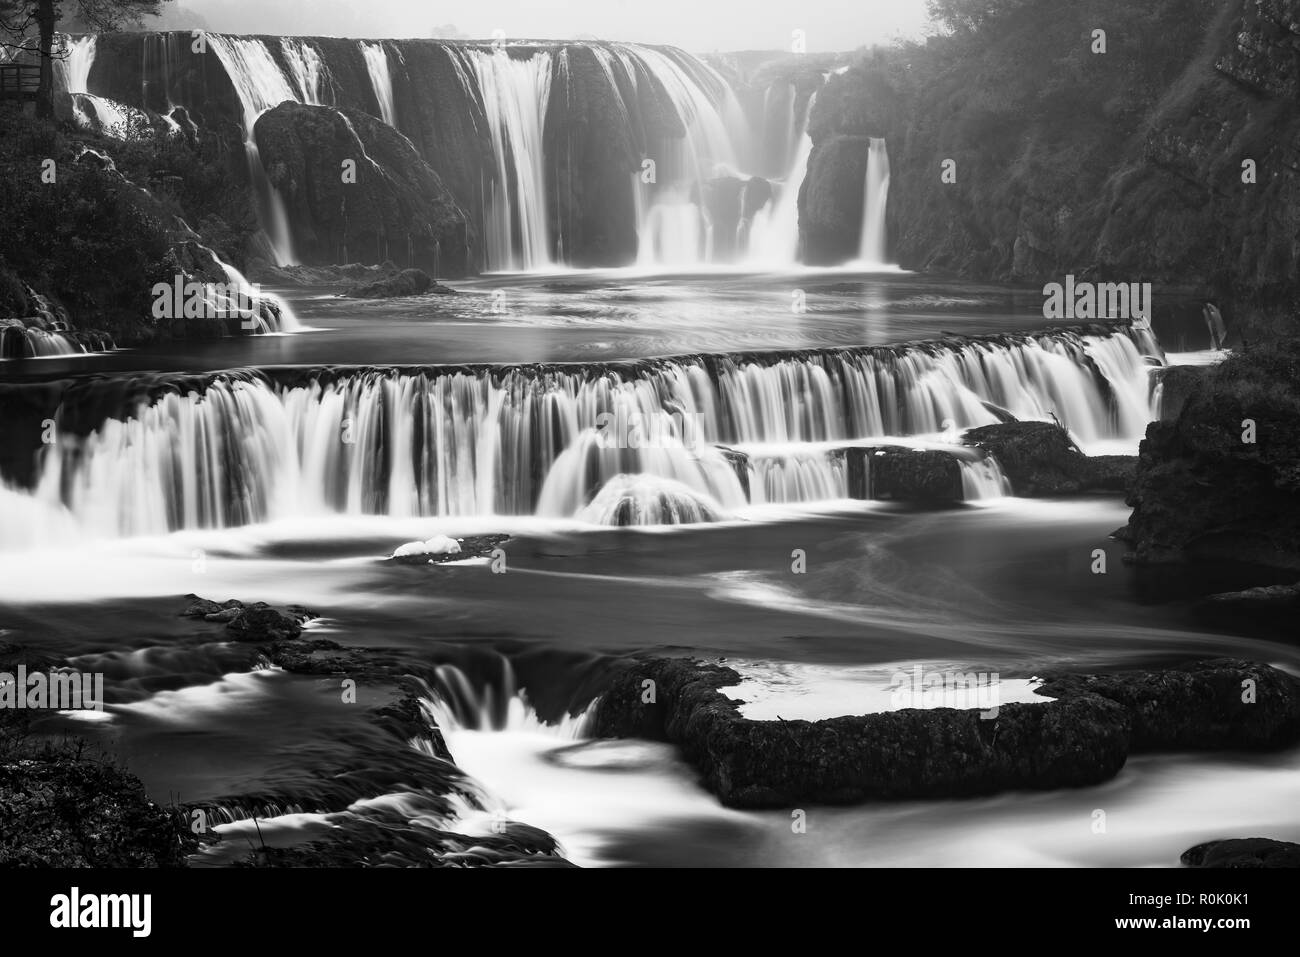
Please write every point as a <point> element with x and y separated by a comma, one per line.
<point>380,78</point>
<point>874,196</point>
<point>245,447</point>
<point>73,71</point>
<point>774,235</point>
<point>514,93</point>
<point>261,85</point>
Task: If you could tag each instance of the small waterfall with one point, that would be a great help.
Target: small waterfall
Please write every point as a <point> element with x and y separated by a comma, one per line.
<point>875,195</point>
<point>73,71</point>
<point>797,477</point>
<point>261,85</point>
<point>243,447</point>
<point>514,93</point>
<point>774,235</point>
<point>983,479</point>
<point>380,78</point>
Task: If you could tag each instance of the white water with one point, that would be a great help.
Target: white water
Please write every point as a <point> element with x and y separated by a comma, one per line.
<point>774,234</point>
<point>514,94</point>
<point>261,85</point>
<point>381,79</point>
<point>516,443</point>
<point>874,199</point>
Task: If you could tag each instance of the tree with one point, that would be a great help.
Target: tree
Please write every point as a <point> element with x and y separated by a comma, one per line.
<point>28,27</point>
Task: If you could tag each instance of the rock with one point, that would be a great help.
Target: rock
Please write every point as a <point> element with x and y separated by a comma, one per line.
<point>1221,481</point>
<point>398,206</point>
<point>902,754</point>
<point>440,549</point>
<point>409,282</point>
<point>913,475</point>
<point>59,808</point>
<point>1243,852</point>
<point>1040,458</point>
<point>830,200</point>
<point>1271,606</point>
<point>350,274</point>
<point>1207,705</point>
<point>1177,384</point>
<point>262,623</point>
<point>255,622</point>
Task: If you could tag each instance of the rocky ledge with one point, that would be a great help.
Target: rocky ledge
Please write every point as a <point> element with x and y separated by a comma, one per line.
<point>1220,480</point>
<point>1082,737</point>
<point>1040,458</point>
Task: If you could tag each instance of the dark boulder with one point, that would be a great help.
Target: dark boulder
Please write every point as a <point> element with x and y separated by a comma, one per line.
<point>408,282</point>
<point>924,476</point>
<point>830,200</point>
<point>1215,704</point>
<point>256,622</point>
<point>62,808</point>
<point>939,752</point>
<point>1221,481</point>
<point>1040,458</point>
<point>397,208</point>
<point>1243,852</point>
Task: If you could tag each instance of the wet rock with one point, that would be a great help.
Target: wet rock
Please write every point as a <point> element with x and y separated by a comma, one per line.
<point>250,622</point>
<point>913,475</point>
<point>830,199</point>
<point>1221,482</point>
<point>1040,458</point>
<point>408,282</point>
<point>1216,704</point>
<point>1243,852</point>
<point>1177,385</point>
<point>396,207</point>
<point>901,754</point>
<point>472,546</point>
<point>62,808</point>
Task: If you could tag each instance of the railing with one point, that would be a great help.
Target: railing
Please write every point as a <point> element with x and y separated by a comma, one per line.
<point>19,81</point>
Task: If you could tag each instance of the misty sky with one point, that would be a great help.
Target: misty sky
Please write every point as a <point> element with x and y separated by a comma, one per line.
<point>696,25</point>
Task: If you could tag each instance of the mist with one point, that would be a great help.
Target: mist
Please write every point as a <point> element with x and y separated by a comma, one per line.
<point>720,25</point>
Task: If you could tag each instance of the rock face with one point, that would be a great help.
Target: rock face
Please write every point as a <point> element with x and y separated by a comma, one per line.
<point>397,208</point>
<point>1081,738</point>
<point>1243,852</point>
<point>1221,482</point>
<point>913,753</point>
<point>1215,704</point>
<point>1128,162</point>
<point>60,809</point>
<point>912,475</point>
<point>830,200</point>
<point>1039,458</point>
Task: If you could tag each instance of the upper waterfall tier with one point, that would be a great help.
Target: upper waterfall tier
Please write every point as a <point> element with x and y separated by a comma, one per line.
<point>582,154</point>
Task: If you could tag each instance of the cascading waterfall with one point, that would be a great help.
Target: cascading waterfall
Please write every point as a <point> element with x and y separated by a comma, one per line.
<point>514,93</point>
<point>90,111</point>
<point>530,440</point>
<point>774,234</point>
<point>262,85</point>
<point>381,79</point>
<point>872,250</point>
